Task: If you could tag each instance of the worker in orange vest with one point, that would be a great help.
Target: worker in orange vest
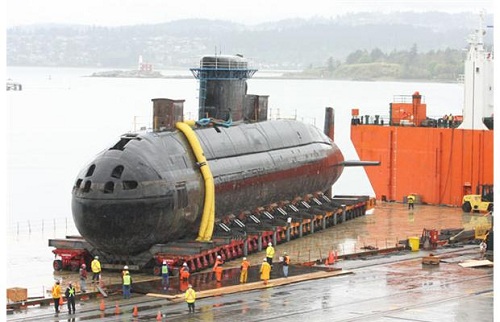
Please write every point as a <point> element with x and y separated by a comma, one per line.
<point>184,272</point>
<point>218,273</point>
<point>244,270</point>
<point>218,262</point>
<point>286,262</point>
<point>215,269</point>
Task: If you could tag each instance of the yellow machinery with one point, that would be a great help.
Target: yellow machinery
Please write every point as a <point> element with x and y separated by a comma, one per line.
<point>480,202</point>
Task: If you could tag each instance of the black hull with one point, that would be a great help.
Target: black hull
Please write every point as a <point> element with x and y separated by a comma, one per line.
<point>147,189</point>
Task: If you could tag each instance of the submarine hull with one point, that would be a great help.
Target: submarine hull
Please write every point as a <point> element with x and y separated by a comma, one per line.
<point>147,189</point>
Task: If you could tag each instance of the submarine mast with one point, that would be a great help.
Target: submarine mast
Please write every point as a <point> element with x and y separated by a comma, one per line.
<point>223,87</point>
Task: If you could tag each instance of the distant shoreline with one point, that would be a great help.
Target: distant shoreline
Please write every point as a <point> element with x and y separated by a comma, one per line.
<point>288,76</point>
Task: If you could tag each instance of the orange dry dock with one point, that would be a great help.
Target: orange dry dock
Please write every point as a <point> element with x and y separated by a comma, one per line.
<point>440,159</point>
<point>448,163</point>
<point>440,164</point>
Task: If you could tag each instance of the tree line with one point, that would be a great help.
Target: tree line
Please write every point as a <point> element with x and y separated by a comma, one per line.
<point>438,65</point>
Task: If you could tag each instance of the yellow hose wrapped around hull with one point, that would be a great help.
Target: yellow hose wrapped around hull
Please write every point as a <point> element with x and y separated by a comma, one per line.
<point>208,217</point>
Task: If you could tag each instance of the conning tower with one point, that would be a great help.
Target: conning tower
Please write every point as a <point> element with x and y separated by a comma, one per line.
<point>223,86</point>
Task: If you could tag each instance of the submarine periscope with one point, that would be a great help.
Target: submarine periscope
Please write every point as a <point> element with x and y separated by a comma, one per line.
<point>173,183</point>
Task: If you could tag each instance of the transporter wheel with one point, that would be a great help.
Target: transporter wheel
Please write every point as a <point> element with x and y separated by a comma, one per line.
<point>57,264</point>
<point>466,207</point>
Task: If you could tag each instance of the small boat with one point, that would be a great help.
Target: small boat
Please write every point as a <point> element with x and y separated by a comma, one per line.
<point>14,86</point>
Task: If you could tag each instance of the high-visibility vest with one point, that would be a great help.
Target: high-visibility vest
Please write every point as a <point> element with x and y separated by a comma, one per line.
<point>286,260</point>
<point>71,291</point>
<point>270,251</point>
<point>56,291</point>
<point>245,264</point>
<point>96,266</point>
<point>164,269</point>
<point>217,263</point>
<point>127,280</point>
<point>190,295</point>
<point>184,272</point>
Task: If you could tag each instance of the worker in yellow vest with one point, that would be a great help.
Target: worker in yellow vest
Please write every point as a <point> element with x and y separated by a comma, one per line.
<point>270,253</point>
<point>165,275</point>
<point>70,297</point>
<point>411,201</point>
<point>96,269</point>
<point>265,271</point>
<point>190,297</point>
<point>56,295</point>
<point>127,284</point>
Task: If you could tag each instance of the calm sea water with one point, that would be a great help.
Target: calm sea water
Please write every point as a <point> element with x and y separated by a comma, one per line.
<point>62,119</point>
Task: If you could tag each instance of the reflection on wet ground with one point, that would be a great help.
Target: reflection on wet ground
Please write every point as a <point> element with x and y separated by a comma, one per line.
<point>389,224</point>
<point>206,280</point>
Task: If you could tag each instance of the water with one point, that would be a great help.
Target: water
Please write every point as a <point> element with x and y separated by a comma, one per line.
<point>61,120</point>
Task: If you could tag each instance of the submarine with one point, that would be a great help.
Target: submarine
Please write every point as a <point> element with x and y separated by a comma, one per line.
<point>155,187</point>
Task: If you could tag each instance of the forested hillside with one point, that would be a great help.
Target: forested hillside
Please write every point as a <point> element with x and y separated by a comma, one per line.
<point>405,44</point>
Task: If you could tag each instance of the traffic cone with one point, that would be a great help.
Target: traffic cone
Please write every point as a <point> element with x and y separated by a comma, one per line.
<point>158,316</point>
<point>331,258</point>
<point>102,307</point>
<point>117,308</point>
<point>135,313</point>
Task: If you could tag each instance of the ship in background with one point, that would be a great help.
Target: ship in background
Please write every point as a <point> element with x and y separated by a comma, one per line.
<point>439,161</point>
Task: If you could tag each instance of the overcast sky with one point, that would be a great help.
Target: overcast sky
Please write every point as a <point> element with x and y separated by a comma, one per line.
<point>129,12</point>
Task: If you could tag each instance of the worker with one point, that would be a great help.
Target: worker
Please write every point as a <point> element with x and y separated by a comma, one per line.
<point>83,278</point>
<point>482,248</point>
<point>96,270</point>
<point>127,285</point>
<point>70,297</point>
<point>164,275</point>
<point>218,273</point>
<point>125,270</point>
<point>450,121</point>
<point>56,295</point>
<point>184,272</point>
<point>265,271</point>
<point>218,261</point>
<point>190,297</point>
<point>245,264</point>
<point>411,201</point>
<point>270,253</point>
<point>183,285</point>
<point>286,262</point>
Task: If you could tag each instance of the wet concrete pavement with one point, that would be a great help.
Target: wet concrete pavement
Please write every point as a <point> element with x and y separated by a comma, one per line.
<point>380,288</point>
